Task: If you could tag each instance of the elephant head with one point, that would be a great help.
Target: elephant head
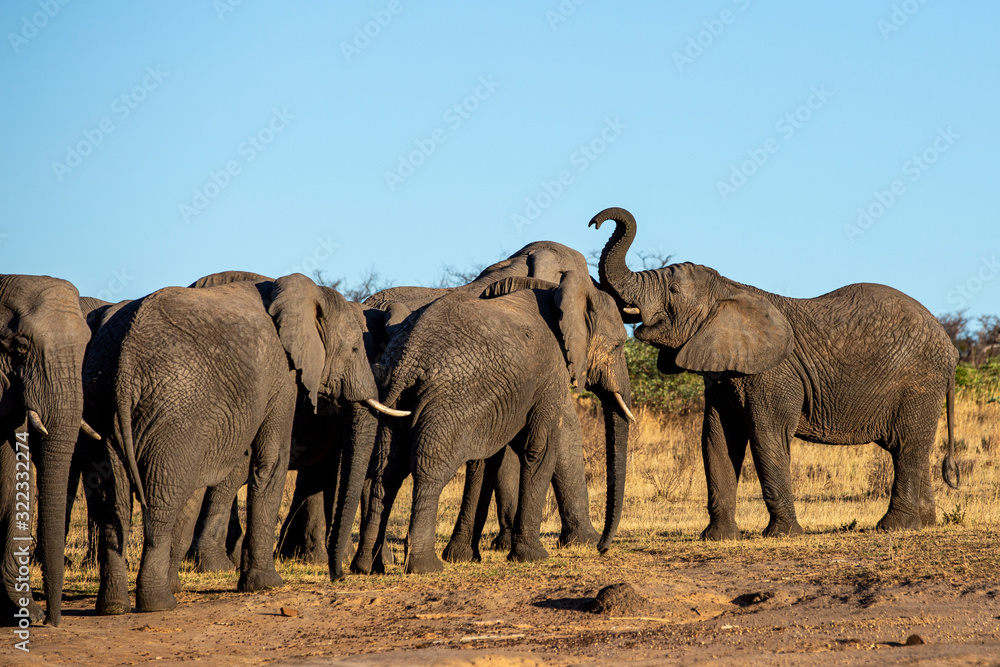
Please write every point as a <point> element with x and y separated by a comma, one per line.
<point>593,341</point>
<point>699,320</point>
<point>43,337</point>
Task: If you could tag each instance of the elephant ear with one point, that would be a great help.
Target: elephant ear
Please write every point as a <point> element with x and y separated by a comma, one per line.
<point>297,310</point>
<point>514,284</point>
<point>572,300</point>
<point>744,333</point>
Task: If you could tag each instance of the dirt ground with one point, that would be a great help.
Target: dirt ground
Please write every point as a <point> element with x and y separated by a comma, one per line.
<point>841,597</point>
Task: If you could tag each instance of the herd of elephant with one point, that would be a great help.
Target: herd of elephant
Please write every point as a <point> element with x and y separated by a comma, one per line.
<point>179,398</point>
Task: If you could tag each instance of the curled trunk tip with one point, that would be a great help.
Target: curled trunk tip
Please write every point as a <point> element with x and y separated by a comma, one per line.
<point>615,276</point>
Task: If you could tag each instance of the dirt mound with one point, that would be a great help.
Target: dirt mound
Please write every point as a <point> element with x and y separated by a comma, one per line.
<point>620,600</point>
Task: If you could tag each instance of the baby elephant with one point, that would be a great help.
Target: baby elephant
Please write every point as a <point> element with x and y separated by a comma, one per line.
<point>479,373</point>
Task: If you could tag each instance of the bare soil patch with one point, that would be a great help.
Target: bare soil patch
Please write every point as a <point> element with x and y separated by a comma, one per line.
<point>827,598</point>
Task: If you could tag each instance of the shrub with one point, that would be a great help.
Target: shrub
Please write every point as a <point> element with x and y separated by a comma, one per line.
<point>679,394</point>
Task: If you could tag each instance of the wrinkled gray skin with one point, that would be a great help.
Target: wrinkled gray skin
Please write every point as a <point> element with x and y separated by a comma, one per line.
<point>43,337</point>
<point>390,313</point>
<point>192,382</point>
<point>864,363</point>
<point>479,371</point>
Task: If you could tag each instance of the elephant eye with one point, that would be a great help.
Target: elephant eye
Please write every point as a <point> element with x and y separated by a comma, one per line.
<point>20,346</point>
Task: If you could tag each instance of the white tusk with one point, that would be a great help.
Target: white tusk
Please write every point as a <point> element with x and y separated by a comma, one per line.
<point>387,411</point>
<point>631,310</point>
<point>621,404</point>
<point>88,431</point>
<point>36,421</point>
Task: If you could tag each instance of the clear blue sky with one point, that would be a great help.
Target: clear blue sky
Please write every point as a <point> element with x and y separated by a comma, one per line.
<point>147,144</point>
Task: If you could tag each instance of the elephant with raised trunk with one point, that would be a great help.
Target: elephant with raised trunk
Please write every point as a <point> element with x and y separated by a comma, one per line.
<point>864,363</point>
<point>43,337</point>
<point>479,373</point>
<point>196,386</point>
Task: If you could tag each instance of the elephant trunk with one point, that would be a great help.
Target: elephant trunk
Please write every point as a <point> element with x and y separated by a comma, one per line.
<point>53,456</point>
<point>356,456</point>
<point>625,286</point>
<point>616,429</point>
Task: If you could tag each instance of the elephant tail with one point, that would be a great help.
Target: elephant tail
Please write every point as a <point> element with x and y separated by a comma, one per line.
<point>123,418</point>
<point>949,470</point>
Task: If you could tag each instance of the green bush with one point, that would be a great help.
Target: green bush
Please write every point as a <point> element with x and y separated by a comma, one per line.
<point>980,383</point>
<point>681,393</point>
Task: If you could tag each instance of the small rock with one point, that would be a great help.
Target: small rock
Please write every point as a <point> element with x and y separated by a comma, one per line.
<point>288,611</point>
<point>914,640</point>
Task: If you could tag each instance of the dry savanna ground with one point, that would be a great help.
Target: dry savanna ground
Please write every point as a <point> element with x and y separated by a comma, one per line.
<point>841,594</point>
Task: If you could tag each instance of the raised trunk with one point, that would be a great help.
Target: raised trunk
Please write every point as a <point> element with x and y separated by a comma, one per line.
<point>616,447</point>
<point>614,273</point>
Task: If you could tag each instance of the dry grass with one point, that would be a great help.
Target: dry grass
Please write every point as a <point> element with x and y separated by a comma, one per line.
<point>839,490</point>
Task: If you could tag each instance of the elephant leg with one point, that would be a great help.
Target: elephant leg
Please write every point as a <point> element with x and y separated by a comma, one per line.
<point>538,460</point>
<point>269,468</point>
<point>723,447</point>
<point>461,547</point>
<point>17,537</point>
<point>210,548</point>
<point>114,502</point>
<point>303,534</point>
<point>507,490</point>
<point>430,474</point>
<point>771,455</point>
<point>388,475</point>
<point>234,535</point>
<point>480,478</point>
<point>569,482</point>
<point>181,537</point>
<point>153,587</point>
<point>912,502</point>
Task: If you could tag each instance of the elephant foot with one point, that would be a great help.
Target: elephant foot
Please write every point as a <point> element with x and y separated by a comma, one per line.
<point>367,563</point>
<point>209,561</point>
<point>111,603</point>
<point>582,537</point>
<point>782,528</point>
<point>502,541</point>
<point>175,583</point>
<point>717,531</point>
<point>461,551</point>
<point>425,563</point>
<point>896,520</point>
<point>12,613</point>
<point>259,580</point>
<point>146,601</point>
<point>523,552</point>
